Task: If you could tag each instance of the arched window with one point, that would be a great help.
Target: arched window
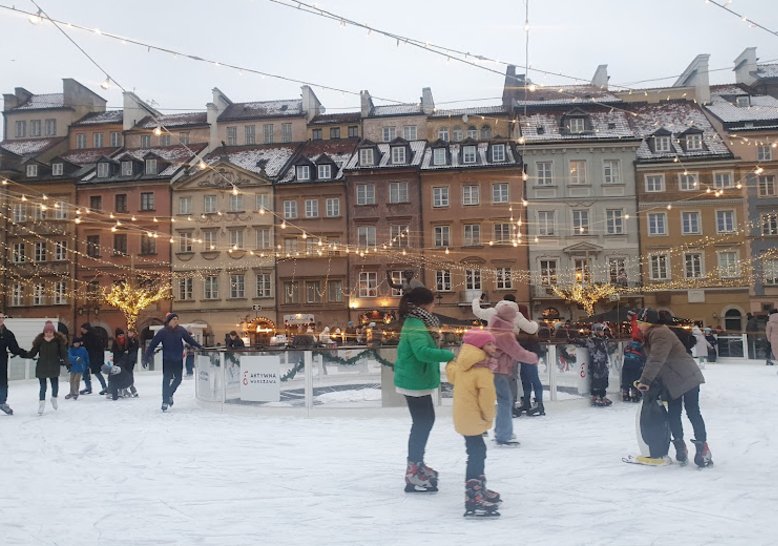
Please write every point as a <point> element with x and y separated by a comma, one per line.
<point>472,132</point>
<point>733,321</point>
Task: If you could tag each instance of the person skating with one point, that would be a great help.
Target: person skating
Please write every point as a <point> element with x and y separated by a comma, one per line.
<point>52,352</point>
<point>417,376</point>
<point>172,338</point>
<point>597,345</point>
<point>530,379</point>
<point>701,346</point>
<point>122,348</point>
<point>8,344</point>
<point>96,348</point>
<point>79,362</point>
<point>771,332</point>
<point>133,346</point>
<point>471,376</point>
<point>668,362</point>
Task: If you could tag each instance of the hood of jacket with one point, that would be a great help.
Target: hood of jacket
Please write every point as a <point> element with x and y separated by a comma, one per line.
<point>507,310</point>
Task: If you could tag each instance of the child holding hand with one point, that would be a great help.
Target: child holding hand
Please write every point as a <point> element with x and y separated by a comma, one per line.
<point>79,362</point>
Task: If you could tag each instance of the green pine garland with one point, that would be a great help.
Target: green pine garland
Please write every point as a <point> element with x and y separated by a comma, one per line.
<point>332,358</point>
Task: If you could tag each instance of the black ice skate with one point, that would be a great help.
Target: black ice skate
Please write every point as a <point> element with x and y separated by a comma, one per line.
<point>475,501</point>
<point>5,408</point>
<point>681,453</point>
<point>703,456</point>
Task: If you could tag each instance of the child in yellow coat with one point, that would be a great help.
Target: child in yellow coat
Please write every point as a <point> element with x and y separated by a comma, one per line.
<point>474,398</point>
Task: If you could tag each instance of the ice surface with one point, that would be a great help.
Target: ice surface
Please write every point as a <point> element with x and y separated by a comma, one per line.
<point>124,473</point>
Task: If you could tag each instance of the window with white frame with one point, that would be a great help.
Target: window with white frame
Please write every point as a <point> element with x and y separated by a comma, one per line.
<point>617,271</point>
<point>576,125</point>
<point>250,134</point>
<point>546,222</point>
<point>500,193</point>
<point>50,126</point>
<point>659,267</point>
<point>368,284</point>
<point>438,156</point>
<point>286,132</point>
<point>471,194</point>
<point>263,201</point>
<point>185,205</point>
<point>769,223</point>
<point>471,235</point>
<point>209,204</point>
<point>81,141</point>
<point>544,176</point>
<point>366,157</point>
<point>366,194</point>
<point>324,172</point>
<point>267,133</point>
<point>457,134</point>
<point>729,263</point>
<point>443,280</point>
<point>723,179</point>
<point>60,251</point>
<point>472,132</point>
<point>498,153</point>
<point>38,294</point>
<point>232,136</point>
<point>766,185</point>
<point>502,232</point>
<point>19,212</point>
<point>312,292</point>
<point>60,210</point>
<point>57,169</point>
<point>503,278</point>
<point>145,141</point>
<point>237,285</point>
<point>39,212</point>
<point>335,291</point>
<point>397,279</point>
<point>611,171</point>
<point>210,239</point>
<point>290,245</point>
<point>366,236</point>
<point>264,285</point>
<point>398,155</point>
<point>473,279</point>
<point>770,271</point>
<point>311,208</point>
<point>725,221</point>
<point>211,287</point>
<point>442,236</point>
<point>291,292</point>
<point>116,139</point>
<point>577,171</point>
<point>147,200</point>
<point>764,152</point>
<point>582,269</point>
<point>742,101</point>
<point>688,181</point>
<point>316,134</point>
<point>694,142</point>
<point>388,133</point>
<point>692,265</point>
<point>661,144</point>
<point>60,293</point>
<point>35,128</point>
<point>655,183</point>
<point>440,197</point>
<point>398,192</point>
<point>264,238</point>
<point>580,222</point>
<point>333,207</point>
<point>40,251</point>
<point>657,223</point>
<point>548,272</point>
<point>690,223</point>
<point>303,172</point>
<point>21,131</point>
<point>31,170</point>
<point>614,221</point>
<point>443,133</point>
<point>127,168</point>
<point>468,154</point>
<point>409,132</point>
<point>185,289</point>
<point>398,235</point>
<point>236,238</point>
<point>17,295</point>
<point>185,239</point>
<point>19,253</point>
<point>236,203</point>
<point>151,166</point>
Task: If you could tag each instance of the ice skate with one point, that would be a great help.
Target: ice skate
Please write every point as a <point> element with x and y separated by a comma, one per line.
<point>164,406</point>
<point>491,496</point>
<point>513,442</point>
<point>625,396</point>
<point>703,456</point>
<point>537,410</point>
<point>85,391</point>
<point>54,403</point>
<point>5,408</point>
<point>648,461</point>
<point>41,407</point>
<point>417,480</point>
<point>681,453</point>
<point>431,472</point>
<point>475,501</point>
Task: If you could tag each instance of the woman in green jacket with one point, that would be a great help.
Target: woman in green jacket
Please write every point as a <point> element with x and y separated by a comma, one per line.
<point>417,376</point>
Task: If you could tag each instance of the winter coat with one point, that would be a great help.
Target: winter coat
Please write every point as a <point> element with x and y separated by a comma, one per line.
<point>598,355</point>
<point>172,340</point>
<point>474,393</point>
<point>8,344</point>
<point>509,350</point>
<point>123,353</point>
<point>418,357</point>
<point>701,344</point>
<point>96,349</point>
<point>668,361</point>
<point>79,360</point>
<point>51,355</point>
<point>771,331</point>
<point>712,352</point>
<point>520,323</point>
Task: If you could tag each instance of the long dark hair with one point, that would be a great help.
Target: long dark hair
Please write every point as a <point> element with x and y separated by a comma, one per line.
<point>418,296</point>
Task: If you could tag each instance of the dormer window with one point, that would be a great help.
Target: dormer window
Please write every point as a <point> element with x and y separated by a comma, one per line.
<point>303,172</point>
<point>498,153</point>
<point>439,156</point>
<point>398,155</point>
<point>103,170</point>
<point>576,125</point>
<point>366,157</point>
<point>32,170</point>
<point>743,101</point>
<point>127,168</point>
<point>468,154</point>
<point>662,144</point>
<point>694,142</point>
<point>151,166</point>
<point>57,169</point>
<point>325,172</point>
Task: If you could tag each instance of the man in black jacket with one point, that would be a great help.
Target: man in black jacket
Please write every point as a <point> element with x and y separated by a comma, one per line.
<point>7,344</point>
<point>96,349</point>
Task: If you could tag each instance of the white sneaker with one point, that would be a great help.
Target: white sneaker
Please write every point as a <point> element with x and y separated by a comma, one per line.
<point>54,403</point>
<point>41,407</point>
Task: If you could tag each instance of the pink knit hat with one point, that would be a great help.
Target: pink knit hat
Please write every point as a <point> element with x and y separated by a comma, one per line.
<point>479,338</point>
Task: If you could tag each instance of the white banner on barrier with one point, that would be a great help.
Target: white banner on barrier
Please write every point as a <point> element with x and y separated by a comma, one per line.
<point>260,378</point>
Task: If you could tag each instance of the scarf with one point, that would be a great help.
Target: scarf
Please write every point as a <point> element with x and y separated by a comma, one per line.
<point>430,321</point>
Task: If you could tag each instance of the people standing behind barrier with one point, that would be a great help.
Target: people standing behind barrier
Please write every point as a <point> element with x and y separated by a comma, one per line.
<point>350,334</point>
<point>8,344</point>
<point>96,348</point>
<point>713,344</point>
<point>52,352</point>
<point>79,362</point>
<point>417,376</point>
<point>530,378</point>
<point>771,331</point>
<point>597,345</point>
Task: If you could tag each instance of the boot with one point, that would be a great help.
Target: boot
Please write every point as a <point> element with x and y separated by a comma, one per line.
<point>417,480</point>
<point>54,403</point>
<point>475,501</point>
<point>524,407</point>
<point>430,472</point>
<point>681,453</point>
<point>537,410</point>
<point>625,396</point>
<point>5,408</point>
<point>85,391</point>
<point>703,456</point>
<point>41,407</point>
<point>491,496</point>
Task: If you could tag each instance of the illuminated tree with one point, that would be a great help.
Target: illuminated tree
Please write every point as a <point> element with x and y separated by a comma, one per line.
<point>132,300</point>
<point>585,295</point>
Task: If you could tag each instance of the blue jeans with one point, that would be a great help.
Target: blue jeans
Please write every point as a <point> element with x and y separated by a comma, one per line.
<point>88,379</point>
<point>476,457</point>
<point>691,401</point>
<point>530,381</point>
<point>503,424</point>
<point>422,418</point>
<point>190,364</point>
<point>172,371</point>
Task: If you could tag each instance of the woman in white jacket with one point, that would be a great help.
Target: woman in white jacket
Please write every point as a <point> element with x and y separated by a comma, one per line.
<point>701,346</point>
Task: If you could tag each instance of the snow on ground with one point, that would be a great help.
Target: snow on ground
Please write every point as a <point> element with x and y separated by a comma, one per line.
<point>124,473</point>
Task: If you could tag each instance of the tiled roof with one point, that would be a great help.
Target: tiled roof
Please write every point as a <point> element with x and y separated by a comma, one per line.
<point>396,110</point>
<point>571,94</point>
<point>767,71</point>
<point>29,146</point>
<point>174,120</point>
<point>112,116</point>
<point>676,117</point>
<point>268,160</point>
<point>546,126</point>
<point>342,117</point>
<point>473,111</point>
<point>340,151</point>
<point>417,149</point>
<point>263,109</point>
<point>46,100</point>
<point>176,155</point>
<point>87,157</point>
<point>763,108</point>
<point>482,158</point>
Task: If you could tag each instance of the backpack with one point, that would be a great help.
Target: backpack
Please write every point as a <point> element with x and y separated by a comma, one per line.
<point>634,356</point>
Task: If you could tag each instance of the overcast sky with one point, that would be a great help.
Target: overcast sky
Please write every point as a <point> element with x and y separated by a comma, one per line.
<point>638,39</point>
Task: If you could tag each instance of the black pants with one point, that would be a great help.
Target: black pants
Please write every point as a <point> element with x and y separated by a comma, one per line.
<point>691,401</point>
<point>3,382</point>
<point>476,455</point>
<point>422,417</point>
<point>98,375</point>
<point>54,387</point>
<point>172,371</point>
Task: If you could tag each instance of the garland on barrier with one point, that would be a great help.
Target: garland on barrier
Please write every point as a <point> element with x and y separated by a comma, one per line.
<point>330,358</point>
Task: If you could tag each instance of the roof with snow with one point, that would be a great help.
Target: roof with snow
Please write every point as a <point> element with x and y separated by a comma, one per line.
<point>263,109</point>
<point>29,147</point>
<point>43,101</point>
<point>417,154</point>
<point>174,157</point>
<point>342,117</point>
<point>571,94</point>
<point>87,157</point>
<point>547,126</point>
<point>760,108</point>
<point>765,71</point>
<point>319,152</point>
<point>183,119</point>
<point>472,111</point>
<point>396,110</point>
<point>483,157</point>
<point>112,116</point>
<point>267,160</point>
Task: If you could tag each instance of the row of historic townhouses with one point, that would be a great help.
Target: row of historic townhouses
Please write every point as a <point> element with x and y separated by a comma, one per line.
<point>691,214</point>
<point>224,254</point>
<point>124,233</point>
<point>749,123</point>
<point>312,262</point>
<point>579,150</point>
<point>383,211</point>
<point>387,122</point>
<point>474,223</point>
<point>341,125</point>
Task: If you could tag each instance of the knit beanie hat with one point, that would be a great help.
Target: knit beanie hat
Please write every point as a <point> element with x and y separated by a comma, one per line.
<point>169,317</point>
<point>49,327</point>
<point>649,315</point>
<point>478,338</point>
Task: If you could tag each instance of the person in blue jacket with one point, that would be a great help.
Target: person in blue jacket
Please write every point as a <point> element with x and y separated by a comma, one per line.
<point>79,364</point>
<point>172,338</point>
